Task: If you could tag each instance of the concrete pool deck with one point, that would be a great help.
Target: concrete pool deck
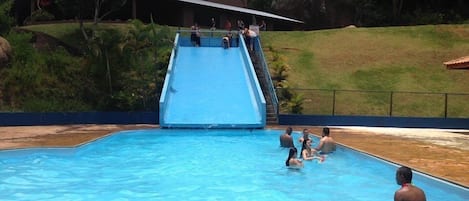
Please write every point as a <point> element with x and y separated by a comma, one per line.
<point>441,153</point>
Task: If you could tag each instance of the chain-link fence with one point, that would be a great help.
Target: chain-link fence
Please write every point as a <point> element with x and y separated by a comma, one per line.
<point>383,103</point>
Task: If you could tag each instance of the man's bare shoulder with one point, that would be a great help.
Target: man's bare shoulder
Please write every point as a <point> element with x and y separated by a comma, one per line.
<point>410,194</point>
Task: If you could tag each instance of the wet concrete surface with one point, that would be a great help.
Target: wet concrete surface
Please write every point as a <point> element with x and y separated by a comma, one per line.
<point>444,154</point>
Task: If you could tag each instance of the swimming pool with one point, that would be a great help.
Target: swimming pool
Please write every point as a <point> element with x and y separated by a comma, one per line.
<point>184,164</point>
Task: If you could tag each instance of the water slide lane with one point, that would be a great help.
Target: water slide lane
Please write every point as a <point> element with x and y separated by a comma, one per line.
<point>210,86</point>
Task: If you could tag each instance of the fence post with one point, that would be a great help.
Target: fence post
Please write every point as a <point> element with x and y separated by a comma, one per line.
<point>333,102</point>
<point>446,105</point>
<point>390,104</point>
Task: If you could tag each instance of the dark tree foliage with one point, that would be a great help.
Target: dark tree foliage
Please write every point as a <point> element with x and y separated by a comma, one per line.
<point>264,5</point>
<point>6,19</point>
<point>318,14</point>
<point>75,9</point>
<point>119,71</point>
<point>128,69</point>
<point>87,9</point>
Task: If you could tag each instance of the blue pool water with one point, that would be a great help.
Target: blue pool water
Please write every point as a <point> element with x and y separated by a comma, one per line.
<point>200,164</point>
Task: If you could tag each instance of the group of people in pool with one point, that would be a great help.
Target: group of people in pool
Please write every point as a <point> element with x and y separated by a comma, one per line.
<point>326,145</point>
<point>407,192</point>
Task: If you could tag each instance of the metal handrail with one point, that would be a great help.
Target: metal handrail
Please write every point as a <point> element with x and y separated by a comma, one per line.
<point>265,69</point>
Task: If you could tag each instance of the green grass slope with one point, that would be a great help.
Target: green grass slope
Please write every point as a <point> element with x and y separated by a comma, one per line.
<point>399,59</point>
<point>69,32</point>
<point>391,58</point>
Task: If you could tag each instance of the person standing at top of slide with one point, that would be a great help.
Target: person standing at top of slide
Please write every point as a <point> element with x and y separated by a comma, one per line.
<point>195,35</point>
<point>249,36</point>
<point>228,25</point>
<point>263,26</point>
<point>240,25</point>
<point>213,24</point>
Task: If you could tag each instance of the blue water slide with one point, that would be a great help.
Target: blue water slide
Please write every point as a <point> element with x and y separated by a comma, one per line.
<point>211,87</point>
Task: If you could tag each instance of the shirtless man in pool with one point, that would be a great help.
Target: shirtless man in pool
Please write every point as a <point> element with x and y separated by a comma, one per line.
<point>408,192</point>
<point>327,143</point>
<point>286,140</point>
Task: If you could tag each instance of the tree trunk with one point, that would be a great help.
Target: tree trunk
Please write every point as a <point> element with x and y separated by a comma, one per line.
<point>396,9</point>
<point>108,69</point>
<point>97,7</point>
<point>134,9</point>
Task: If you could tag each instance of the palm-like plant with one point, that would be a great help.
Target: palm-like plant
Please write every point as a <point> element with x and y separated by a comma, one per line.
<point>105,45</point>
<point>148,49</point>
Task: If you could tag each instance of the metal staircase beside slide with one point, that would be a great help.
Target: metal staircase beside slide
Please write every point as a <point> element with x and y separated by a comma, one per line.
<point>272,117</point>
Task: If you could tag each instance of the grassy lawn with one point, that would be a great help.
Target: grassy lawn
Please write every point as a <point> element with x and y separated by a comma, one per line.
<point>69,32</point>
<point>393,58</point>
<point>407,59</point>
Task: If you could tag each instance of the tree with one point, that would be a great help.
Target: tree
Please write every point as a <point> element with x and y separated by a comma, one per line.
<point>81,10</point>
<point>105,7</point>
<point>76,9</point>
<point>103,47</point>
<point>6,21</point>
<point>371,12</point>
<point>148,47</point>
<point>42,3</point>
<point>264,5</point>
<point>396,9</point>
<point>103,44</point>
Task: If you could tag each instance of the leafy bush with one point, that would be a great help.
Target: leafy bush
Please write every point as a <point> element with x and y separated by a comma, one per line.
<point>289,100</point>
<point>43,81</point>
<point>128,68</point>
<point>147,49</point>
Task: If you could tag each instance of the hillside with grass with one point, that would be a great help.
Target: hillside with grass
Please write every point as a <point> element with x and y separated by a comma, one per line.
<point>381,60</point>
<point>385,60</point>
<point>392,58</point>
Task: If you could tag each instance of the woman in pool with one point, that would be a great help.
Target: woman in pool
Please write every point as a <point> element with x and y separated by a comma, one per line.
<point>309,154</point>
<point>292,161</point>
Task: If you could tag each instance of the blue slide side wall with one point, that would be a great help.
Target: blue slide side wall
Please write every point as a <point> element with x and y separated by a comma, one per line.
<point>260,100</point>
<point>167,81</point>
